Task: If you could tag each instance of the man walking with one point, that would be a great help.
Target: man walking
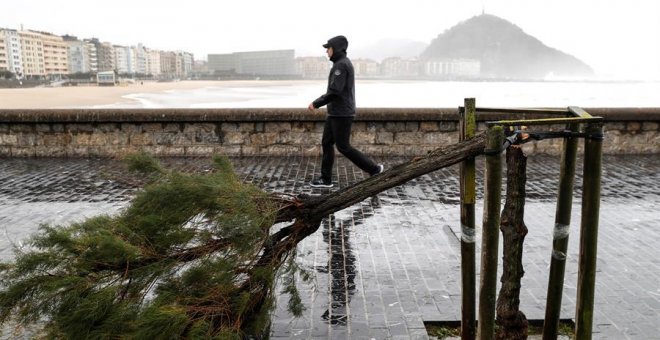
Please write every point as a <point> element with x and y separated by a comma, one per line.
<point>340,98</point>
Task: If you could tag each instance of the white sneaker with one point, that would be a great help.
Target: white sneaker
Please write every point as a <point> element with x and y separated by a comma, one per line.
<point>381,168</point>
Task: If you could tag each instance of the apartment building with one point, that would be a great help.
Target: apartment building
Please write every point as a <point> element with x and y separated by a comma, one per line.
<point>168,63</point>
<point>32,53</point>
<point>11,47</point>
<point>462,68</point>
<point>141,59</point>
<point>273,63</point>
<point>4,57</point>
<point>55,53</point>
<point>125,61</point>
<point>312,67</point>
<point>398,67</point>
<point>365,68</point>
<point>153,63</point>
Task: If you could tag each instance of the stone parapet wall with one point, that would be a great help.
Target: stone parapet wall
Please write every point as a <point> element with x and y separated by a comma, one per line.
<point>275,132</point>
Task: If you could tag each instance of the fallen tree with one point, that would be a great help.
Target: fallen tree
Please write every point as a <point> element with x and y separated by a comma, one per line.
<point>193,256</point>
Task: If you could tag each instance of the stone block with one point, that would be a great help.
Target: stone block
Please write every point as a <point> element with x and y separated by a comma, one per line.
<point>236,138</point>
<point>650,126</point>
<point>361,138</point>
<point>117,138</point>
<point>8,140</point>
<point>141,139</point>
<point>201,127</point>
<point>412,126</point>
<point>57,128</point>
<point>250,150</point>
<point>227,150</point>
<point>164,138</point>
<point>359,126</point>
<point>78,128</point>
<point>4,128</point>
<point>107,127</point>
<point>634,126</point>
<point>375,126</point>
<point>294,138</point>
<point>173,127</point>
<point>43,128</point>
<point>302,126</point>
<point>281,150</point>
<point>437,138</point>
<point>98,139</point>
<point>264,139</point>
<point>123,150</point>
<point>259,127</point>
<point>152,127</point>
<point>449,126</point>
<point>415,138</point>
<point>395,126</point>
<point>26,139</point>
<point>51,140</point>
<point>50,151</point>
<point>76,151</point>
<point>384,138</point>
<point>5,151</point>
<point>611,126</point>
<point>199,150</point>
<point>23,152</point>
<point>131,128</point>
<point>163,150</point>
<point>25,128</point>
<point>277,126</point>
<point>228,127</point>
<point>201,138</point>
<point>429,126</point>
<point>246,127</point>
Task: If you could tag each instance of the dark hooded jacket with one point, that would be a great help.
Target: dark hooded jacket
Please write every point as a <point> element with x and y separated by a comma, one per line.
<point>340,95</point>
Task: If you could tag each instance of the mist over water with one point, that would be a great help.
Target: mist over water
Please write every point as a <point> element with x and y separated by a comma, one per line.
<point>378,93</point>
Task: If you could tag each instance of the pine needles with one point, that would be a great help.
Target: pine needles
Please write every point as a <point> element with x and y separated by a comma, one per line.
<point>184,260</point>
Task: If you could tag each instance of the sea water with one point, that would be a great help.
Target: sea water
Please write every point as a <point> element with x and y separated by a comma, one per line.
<point>409,94</point>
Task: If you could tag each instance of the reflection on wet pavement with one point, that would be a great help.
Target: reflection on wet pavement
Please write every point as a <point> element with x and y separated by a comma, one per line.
<point>385,265</point>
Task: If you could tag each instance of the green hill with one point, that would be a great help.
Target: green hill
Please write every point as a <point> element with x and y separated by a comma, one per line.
<point>505,51</point>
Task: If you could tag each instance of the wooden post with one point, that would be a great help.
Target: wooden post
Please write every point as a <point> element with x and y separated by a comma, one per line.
<point>560,236</point>
<point>584,310</point>
<point>468,127</point>
<point>490,234</point>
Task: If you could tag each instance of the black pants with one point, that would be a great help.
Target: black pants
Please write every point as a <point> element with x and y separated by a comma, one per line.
<point>337,131</point>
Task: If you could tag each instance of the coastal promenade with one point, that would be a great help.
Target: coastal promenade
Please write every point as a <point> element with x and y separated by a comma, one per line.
<point>383,267</point>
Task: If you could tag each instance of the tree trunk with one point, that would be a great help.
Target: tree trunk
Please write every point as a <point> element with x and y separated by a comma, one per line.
<point>308,211</point>
<point>512,322</point>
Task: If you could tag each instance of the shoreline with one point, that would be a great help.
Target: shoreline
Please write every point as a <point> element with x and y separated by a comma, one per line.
<point>92,96</point>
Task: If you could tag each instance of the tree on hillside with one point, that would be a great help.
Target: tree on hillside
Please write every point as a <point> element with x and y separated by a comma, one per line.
<point>193,256</point>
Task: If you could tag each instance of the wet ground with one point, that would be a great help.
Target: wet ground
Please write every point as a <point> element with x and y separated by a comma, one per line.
<point>385,266</point>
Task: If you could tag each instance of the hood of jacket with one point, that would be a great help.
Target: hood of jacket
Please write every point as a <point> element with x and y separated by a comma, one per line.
<point>339,46</point>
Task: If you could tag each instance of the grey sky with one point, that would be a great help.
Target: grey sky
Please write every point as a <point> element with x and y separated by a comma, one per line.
<point>619,38</point>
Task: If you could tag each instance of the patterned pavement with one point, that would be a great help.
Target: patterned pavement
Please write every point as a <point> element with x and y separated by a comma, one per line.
<point>383,267</point>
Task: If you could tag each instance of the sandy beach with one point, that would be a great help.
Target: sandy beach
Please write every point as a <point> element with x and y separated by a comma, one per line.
<point>90,96</point>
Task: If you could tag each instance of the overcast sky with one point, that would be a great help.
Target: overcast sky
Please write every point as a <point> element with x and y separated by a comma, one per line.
<point>619,38</point>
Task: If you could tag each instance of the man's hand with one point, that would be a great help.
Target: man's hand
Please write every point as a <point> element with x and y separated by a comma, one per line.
<point>311,107</point>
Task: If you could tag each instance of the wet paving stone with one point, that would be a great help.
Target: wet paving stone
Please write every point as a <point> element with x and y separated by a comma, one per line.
<point>385,265</point>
